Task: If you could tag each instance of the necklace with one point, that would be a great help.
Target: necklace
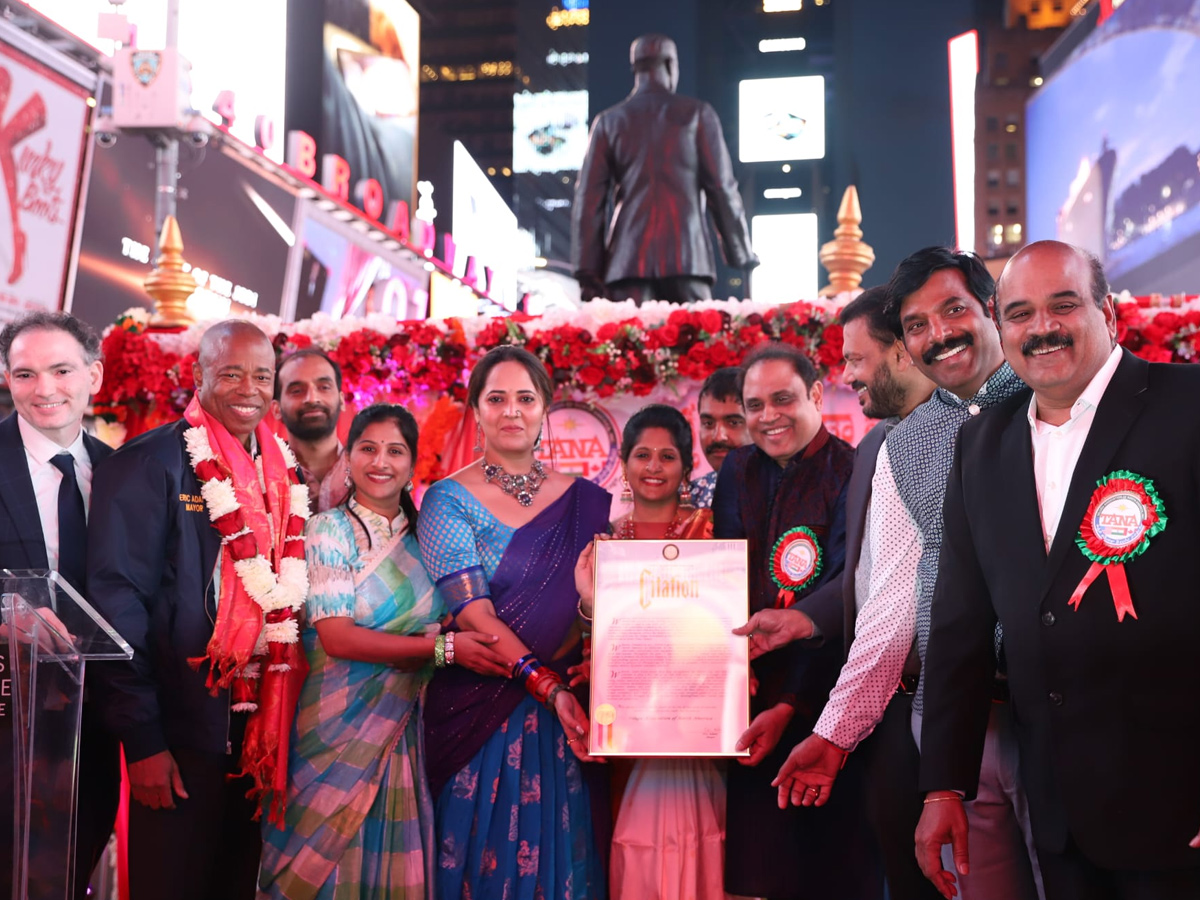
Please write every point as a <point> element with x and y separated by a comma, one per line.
<point>627,528</point>
<point>522,487</point>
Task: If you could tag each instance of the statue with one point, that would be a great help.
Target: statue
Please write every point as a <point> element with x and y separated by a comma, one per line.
<point>657,159</point>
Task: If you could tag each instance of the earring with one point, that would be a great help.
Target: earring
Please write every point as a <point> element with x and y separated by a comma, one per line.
<point>685,493</point>
<point>626,493</point>
<point>408,487</point>
<point>349,482</point>
<point>478,448</point>
<point>537,444</point>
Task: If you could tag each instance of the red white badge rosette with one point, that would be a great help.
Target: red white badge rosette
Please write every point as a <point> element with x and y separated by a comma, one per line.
<point>796,561</point>
<point>1124,514</point>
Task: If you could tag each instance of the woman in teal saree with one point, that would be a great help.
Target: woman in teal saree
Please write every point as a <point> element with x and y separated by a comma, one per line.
<point>359,814</point>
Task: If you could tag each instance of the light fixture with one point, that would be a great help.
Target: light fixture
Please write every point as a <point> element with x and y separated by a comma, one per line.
<point>781,45</point>
<point>774,6</point>
<point>788,193</point>
<point>786,167</point>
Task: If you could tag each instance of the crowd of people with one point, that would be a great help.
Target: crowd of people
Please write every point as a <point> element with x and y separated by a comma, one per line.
<point>983,690</point>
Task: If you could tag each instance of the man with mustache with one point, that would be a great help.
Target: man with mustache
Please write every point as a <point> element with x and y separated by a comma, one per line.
<point>866,607</point>
<point>722,427</point>
<point>308,400</point>
<point>1100,463</point>
<point>938,302</point>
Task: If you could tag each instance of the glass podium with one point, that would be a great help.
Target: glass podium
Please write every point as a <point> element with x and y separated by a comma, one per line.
<point>48,633</point>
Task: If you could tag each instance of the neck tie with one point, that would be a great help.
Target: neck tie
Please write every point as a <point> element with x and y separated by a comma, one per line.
<point>72,524</point>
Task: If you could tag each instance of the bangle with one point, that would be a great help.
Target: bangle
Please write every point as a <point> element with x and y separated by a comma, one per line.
<point>941,799</point>
<point>582,614</point>
<point>439,651</point>
<point>554,692</point>
<point>521,663</point>
<point>541,683</point>
<point>449,648</point>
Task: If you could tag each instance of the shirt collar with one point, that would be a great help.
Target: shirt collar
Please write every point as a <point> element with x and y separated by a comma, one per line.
<point>42,449</point>
<point>1001,385</point>
<point>376,520</point>
<point>1090,397</point>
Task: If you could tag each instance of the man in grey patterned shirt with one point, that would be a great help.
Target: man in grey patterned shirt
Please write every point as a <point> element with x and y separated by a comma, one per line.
<point>722,427</point>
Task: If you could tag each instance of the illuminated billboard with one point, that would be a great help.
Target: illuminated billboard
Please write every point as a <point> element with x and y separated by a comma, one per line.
<point>549,131</point>
<point>786,246</point>
<point>485,228</point>
<point>781,118</point>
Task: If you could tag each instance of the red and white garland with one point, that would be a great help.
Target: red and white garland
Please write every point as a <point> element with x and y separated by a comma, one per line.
<point>280,594</point>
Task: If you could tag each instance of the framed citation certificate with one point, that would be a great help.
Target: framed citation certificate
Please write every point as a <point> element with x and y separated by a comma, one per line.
<point>669,678</point>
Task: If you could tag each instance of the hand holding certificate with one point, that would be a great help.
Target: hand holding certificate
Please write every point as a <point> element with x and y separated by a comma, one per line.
<point>668,676</point>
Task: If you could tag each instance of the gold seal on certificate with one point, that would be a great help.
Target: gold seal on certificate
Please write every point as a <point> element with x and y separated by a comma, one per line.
<point>669,678</point>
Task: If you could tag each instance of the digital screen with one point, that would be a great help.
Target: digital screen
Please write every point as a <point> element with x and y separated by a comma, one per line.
<point>342,272</point>
<point>549,131</point>
<point>786,246</point>
<point>485,228</point>
<point>1113,148</point>
<point>234,218</point>
<point>371,80</point>
<point>781,118</point>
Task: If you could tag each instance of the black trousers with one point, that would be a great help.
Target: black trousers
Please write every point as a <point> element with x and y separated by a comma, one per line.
<point>208,847</point>
<point>676,289</point>
<point>1071,876</point>
<point>99,795</point>
<point>891,763</point>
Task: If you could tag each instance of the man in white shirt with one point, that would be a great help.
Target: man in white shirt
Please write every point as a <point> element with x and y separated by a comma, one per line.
<point>52,365</point>
<point>1071,517</point>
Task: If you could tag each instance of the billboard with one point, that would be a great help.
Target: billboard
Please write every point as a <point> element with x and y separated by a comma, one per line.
<point>786,246</point>
<point>1113,148</point>
<point>369,89</point>
<point>41,153</point>
<point>338,270</point>
<point>781,118</point>
<point>549,131</point>
<point>234,216</point>
<point>485,228</point>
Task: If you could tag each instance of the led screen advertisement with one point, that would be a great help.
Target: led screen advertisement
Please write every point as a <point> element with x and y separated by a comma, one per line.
<point>781,119</point>
<point>484,228</point>
<point>370,83</point>
<point>233,215</point>
<point>338,270</point>
<point>1113,153</point>
<point>549,131</point>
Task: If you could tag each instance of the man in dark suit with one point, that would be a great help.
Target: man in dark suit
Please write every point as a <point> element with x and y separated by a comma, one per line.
<point>1103,673</point>
<point>154,574</point>
<point>655,158</point>
<point>52,364</point>
<point>890,386</point>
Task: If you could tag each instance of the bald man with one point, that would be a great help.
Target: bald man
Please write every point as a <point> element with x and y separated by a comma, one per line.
<point>1101,462</point>
<point>156,572</point>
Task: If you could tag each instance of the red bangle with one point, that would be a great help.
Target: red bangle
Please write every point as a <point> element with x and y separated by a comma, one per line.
<point>541,682</point>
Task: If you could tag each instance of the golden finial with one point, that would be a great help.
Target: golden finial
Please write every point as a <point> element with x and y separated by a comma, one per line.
<point>846,257</point>
<point>169,284</point>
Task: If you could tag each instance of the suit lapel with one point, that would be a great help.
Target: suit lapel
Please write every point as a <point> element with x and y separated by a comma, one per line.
<point>1118,409</point>
<point>17,497</point>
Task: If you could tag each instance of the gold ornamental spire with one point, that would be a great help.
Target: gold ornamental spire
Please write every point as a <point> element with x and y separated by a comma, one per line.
<point>846,257</point>
<point>169,284</point>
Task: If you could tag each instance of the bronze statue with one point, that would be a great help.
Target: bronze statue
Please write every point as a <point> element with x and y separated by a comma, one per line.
<point>655,158</point>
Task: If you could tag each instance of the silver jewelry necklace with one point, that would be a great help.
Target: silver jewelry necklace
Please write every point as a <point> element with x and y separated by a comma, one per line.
<point>522,487</point>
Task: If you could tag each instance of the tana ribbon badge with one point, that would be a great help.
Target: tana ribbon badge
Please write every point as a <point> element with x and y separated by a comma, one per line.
<point>796,561</point>
<point>1124,513</point>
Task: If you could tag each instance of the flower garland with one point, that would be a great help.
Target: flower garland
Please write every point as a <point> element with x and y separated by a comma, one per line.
<point>279,591</point>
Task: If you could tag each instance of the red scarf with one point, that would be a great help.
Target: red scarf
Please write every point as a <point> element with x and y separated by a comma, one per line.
<point>265,684</point>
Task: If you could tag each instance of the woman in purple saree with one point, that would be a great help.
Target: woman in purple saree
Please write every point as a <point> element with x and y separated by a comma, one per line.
<point>513,815</point>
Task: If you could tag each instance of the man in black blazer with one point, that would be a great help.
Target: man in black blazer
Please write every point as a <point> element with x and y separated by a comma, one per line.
<point>890,386</point>
<point>1104,696</point>
<point>52,365</point>
<point>153,570</point>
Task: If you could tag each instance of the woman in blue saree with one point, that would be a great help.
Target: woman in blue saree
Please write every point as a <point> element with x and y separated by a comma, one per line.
<point>359,814</point>
<point>501,537</point>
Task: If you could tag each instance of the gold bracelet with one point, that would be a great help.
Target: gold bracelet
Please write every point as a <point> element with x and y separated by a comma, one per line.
<point>582,614</point>
<point>940,799</point>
